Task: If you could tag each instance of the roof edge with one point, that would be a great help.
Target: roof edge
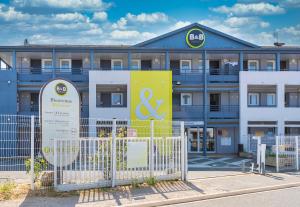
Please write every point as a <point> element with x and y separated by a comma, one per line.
<point>198,25</point>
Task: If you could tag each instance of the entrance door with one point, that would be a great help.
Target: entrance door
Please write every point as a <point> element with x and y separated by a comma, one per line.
<point>214,102</point>
<point>193,138</point>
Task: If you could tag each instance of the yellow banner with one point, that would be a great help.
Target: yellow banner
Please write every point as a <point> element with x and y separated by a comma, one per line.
<point>151,99</point>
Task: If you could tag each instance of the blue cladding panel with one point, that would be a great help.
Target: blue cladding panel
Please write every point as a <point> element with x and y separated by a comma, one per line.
<point>212,40</point>
<point>8,105</point>
<point>8,92</point>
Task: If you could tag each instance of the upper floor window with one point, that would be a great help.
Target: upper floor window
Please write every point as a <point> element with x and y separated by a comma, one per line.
<point>271,99</point>
<point>135,64</point>
<point>46,64</point>
<point>252,65</point>
<point>185,66</point>
<point>65,64</point>
<point>117,99</point>
<point>116,64</point>
<point>270,65</point>
<point>200,66</point>
<point>253,99</point>
<point>186,99</point>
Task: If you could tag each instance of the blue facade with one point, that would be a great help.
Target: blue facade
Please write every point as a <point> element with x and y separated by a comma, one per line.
<point>211,85</point>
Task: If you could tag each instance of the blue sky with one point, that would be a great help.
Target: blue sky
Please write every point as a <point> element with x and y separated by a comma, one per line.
<point>132,21</point>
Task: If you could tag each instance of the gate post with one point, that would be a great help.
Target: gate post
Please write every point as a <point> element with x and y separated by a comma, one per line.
<point>151,148</point>
<point>113,153</point>
<point>297,152</point>
<point>32,152</point>
<point>55,162</point>
<point>183,152</point>
<point>277,153</point>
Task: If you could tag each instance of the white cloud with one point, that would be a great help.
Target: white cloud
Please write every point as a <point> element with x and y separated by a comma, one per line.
<point>131,34</point>
<point>180,24</point>
<point>66,4</point>
<point>120,24</point>
<point>143,18</point>
<point>147,18</point>
<point>100,16</point>
<point>10,14</point>
<point>243,21</point>
<point>243,32</point>
<point>292,30</point>
<point>250,9</point>
<point>69,17</point>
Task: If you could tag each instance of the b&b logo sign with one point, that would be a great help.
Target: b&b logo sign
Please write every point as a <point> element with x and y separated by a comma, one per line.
<point>61,89</point>
<point>195,38</point>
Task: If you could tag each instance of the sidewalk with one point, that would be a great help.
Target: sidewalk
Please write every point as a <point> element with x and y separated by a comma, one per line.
<point>201,185</point>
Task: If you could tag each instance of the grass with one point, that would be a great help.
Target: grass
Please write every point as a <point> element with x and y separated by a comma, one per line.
<point>11,190</point>
<point>6,190</point>
<point>151,181</point>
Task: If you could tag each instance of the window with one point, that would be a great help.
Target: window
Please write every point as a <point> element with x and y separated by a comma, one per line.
<point>185,66</point>
<point>116,99</point>
<point>253,99</point>
<point>200,66</point>
<point>186,99</point>
<point>252,65</point>
<point>46,65</point>
<point>135,64</point>
<point>271,99</point>
<point>270,65</point>
<point>116,64</point>
<point>65,65</point>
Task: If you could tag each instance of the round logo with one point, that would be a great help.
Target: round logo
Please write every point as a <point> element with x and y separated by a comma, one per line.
<point>61,89</point>
<point>195,38</point>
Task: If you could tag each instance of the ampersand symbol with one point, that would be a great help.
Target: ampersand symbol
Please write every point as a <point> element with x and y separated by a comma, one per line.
<point>145,101</point>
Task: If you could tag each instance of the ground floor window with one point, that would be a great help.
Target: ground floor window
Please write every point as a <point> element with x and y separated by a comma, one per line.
<point>195,137</point>
<point>292,131</point>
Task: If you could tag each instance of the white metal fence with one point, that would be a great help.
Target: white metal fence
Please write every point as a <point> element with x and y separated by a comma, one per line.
<point>104,155</point>
<point>282,152</point>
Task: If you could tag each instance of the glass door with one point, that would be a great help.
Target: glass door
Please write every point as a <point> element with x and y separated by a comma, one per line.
<point>193,139</point>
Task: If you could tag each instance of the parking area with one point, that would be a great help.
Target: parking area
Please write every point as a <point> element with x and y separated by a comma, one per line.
<point>213,162</point>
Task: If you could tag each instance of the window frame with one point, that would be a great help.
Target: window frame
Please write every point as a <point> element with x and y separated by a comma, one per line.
<point>138,65</point>
<point>185,70</point>
<point>65,69</point>
<point>249,99</point>
<point>274,95</point>
<point>44,69</point>
<point>182,100</point>
<point>253,61</point>
<point>122,100</point>
<point>200,66</point>
<point>270,61</point>
<point>115,60</point>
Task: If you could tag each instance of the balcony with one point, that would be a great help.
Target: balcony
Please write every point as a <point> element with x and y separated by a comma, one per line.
<point>218,75</point>
<point>196,112</point>
<point>42,75</point>
<point>223,111</point>
<point>188,75</point>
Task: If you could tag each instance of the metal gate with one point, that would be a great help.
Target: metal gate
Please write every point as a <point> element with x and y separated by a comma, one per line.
<point>107,161</point>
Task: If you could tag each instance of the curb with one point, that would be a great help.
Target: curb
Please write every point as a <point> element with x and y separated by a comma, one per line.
<point>213,196</point>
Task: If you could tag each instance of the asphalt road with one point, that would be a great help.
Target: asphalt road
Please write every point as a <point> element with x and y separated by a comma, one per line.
<point>289,197</point>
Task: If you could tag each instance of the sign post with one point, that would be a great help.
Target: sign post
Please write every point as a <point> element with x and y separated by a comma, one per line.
<point>59,114</point>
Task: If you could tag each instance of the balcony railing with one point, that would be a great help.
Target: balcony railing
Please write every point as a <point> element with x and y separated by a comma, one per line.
<point>292,105</point>
<point>223,71</point>
<point>190,75</point>
<point>42,71</point>
<point>262,105</point>
<point>213,111</point>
